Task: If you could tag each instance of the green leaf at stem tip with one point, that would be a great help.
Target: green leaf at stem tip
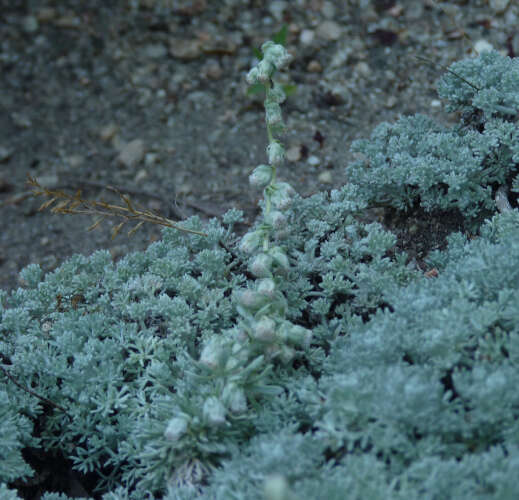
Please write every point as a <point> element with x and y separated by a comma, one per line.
<point>281,36</point>
<point>257,53</point>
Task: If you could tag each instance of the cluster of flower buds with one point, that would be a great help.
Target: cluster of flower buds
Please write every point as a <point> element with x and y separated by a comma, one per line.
<point>215,411</point>
<point>264,264</point>
<point>176,428</point>
<point>226,357</point>
<point>275,57</point>
<point>264,328</point>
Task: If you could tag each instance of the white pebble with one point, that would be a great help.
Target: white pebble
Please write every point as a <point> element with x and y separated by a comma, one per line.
<point>325,177</point>
<point>483,46</point>
<point>313,160</point>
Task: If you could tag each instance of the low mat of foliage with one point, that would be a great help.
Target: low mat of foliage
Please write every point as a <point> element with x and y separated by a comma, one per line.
<point>127,379</point>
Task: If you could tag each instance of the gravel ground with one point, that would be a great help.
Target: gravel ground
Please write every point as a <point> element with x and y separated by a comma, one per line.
<point>150,96</point>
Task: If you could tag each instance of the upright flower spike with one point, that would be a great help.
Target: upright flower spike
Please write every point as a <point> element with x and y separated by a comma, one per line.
<point>263,308</point>
<point>263,334</point>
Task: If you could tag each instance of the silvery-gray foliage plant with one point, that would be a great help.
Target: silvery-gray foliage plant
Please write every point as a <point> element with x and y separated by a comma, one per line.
<point>419,163</point>
<point>304,359</point>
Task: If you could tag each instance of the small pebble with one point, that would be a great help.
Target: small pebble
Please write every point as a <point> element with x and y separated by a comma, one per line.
<point>362,69</point>
<point>314,67</point>
<point>108,132</point>
<point>49,181</point>
<point>21,120</point>
<point>185,49</point>
<point>75,161</point>
<point>499,6</point>
<point>293,153</point>
<point>325,177</point>
<point>277,9</point>
<point>150,159</point>
<point>155,51</point>
<point>46,14</point>
<point>5,154</point>
<point>483,46</point>
<point>313,160</point>
<point>329,30</point>
<point>307,37</point>
<point>132,153</point>
<point>396,10</point>
<point>340,58</point>
<point>294,29</point>
<point>69,22</point>
<point>328,10</point>
<point>30,24</point>
<point>391,102</point>
<point>141,175</point>
<point>212,70</point>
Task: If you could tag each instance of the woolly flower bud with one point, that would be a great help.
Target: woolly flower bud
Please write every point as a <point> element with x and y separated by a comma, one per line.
<point>260,266</point>
<point>283,195</point>
<point>235,398</point>
<point>282,352</point>
<point>213,352</point>
<point>301,336</point>
<point>294,334</point>
<point>267,288</point>
<point>240,355</point>
<point>214,411</point>
<point>260,176</point>
<point>286,354</point>
<point>275,153</point>
<point>273,113</point>
<point>265,329</point>
<point>276,54</point>
<point>251,241</point>
<point>176,428</point>
<point>280,257</point>
<point>276,94</point>
<point>265,70</point>
<point>251,299</point>
<point>276,219</point>
<point>252,76</point>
